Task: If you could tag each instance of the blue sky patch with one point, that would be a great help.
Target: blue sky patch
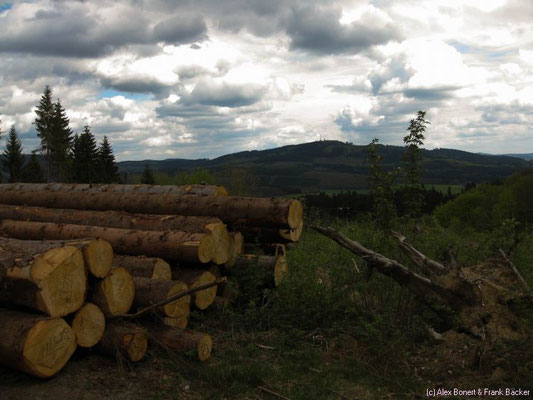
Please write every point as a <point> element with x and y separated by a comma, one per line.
<point>5,6</point>
<point>133,96</point>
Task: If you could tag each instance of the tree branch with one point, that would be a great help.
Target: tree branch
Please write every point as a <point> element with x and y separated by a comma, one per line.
<point>426,290</point>
<point>518,275</point>
<point>417,257</point>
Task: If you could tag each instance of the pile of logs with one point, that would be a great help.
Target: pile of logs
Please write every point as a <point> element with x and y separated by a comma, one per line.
<point>112,267</point>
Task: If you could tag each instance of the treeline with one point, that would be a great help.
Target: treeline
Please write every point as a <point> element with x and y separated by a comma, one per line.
<point>352,204</point>
<point>67,157</point>
<point>487,206</point>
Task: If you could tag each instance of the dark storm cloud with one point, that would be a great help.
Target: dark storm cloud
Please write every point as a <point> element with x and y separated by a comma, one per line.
<point>137,84</point>
<point>209,93</point>
<point>318,30</point>
<point>181,29</point>
<point>72,30</point>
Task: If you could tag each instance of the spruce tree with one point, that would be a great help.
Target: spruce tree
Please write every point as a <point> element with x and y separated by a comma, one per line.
<point>44,126</point>
<point>61,142</point>
<point>13,160</point>
<point>108,166</point>
<point>32,172</point>
<point>148,175</point>
<point>85,160</point>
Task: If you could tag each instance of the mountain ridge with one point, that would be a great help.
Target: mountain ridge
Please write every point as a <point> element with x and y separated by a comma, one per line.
<point>333,165</point>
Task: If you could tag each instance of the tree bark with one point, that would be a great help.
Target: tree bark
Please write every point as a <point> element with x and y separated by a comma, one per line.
<point>254,211</point>
<point>34,344</point>
<point>206,190</point>
<point>194,278</point>
<point>88,325</point>
<point>182,340</point>
<point>144,267</point>
<point>428,265</point>
<point>173,245</point>
<point>115,293</point>
<point>276,267</point>
<point>149,291</point>
<point>45,276</point>
<point>124,220</point>
<point>126,339</point>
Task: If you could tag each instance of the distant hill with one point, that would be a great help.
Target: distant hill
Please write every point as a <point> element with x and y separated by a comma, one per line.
<point>334,165</point>
<point>526,156</point>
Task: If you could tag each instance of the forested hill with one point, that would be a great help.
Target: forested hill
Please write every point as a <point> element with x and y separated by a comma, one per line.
<point>333,165</point>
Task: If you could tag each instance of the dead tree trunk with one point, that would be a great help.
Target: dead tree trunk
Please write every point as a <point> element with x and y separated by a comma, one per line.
<point>144,267</point>
<point>174,245</point>
<point>472,300</point>
<point>44,276</point>
<point>237,248</point>
<point>205,190</point>
<point>34,344</point>
<point>254,211</point>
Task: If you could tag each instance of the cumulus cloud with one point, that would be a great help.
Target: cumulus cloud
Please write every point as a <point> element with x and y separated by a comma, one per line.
<point>199,79</point>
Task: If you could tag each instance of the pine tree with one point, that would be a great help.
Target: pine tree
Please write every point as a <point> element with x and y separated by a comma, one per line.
<point>44,126</point>
<point>32,172</point>
<point>85,160</point>
<point>108,166</point>
<point>13,159</point>
<point>148,175</point>
<point>61,141</point>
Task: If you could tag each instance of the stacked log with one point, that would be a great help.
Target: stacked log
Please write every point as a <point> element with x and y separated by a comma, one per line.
<point>78,261</point>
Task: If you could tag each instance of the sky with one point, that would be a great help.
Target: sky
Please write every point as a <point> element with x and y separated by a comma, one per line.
<point>200,79</point>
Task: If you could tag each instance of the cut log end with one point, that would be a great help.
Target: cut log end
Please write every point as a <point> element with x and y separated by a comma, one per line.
<point>135,345</point>
<point>176,322</point>
<point>292,235</point>
<point>98,257</point>
<point>180,307</point>
<point>280,269</point>
<point>206,248</point>
<point>295,216</point>
<point>115,293</point>
<point>61,275</point>
<point>205,345</point>
<point>221,241</point>
<point>204,298</point>
<point>47,348</point>
<point>88,325</point>
<point>162,270</point>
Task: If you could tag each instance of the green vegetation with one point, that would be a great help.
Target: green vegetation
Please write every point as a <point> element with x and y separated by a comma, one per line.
<point>488,206</point>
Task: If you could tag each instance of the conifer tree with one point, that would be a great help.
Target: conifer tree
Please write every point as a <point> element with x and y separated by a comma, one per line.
<point>61,143</point>
<point>32,172</point>
<point>85,160</point>
<point>12,159</point>
<point>108,166</point>
<point>148,175</point>
<point>44,126</point>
